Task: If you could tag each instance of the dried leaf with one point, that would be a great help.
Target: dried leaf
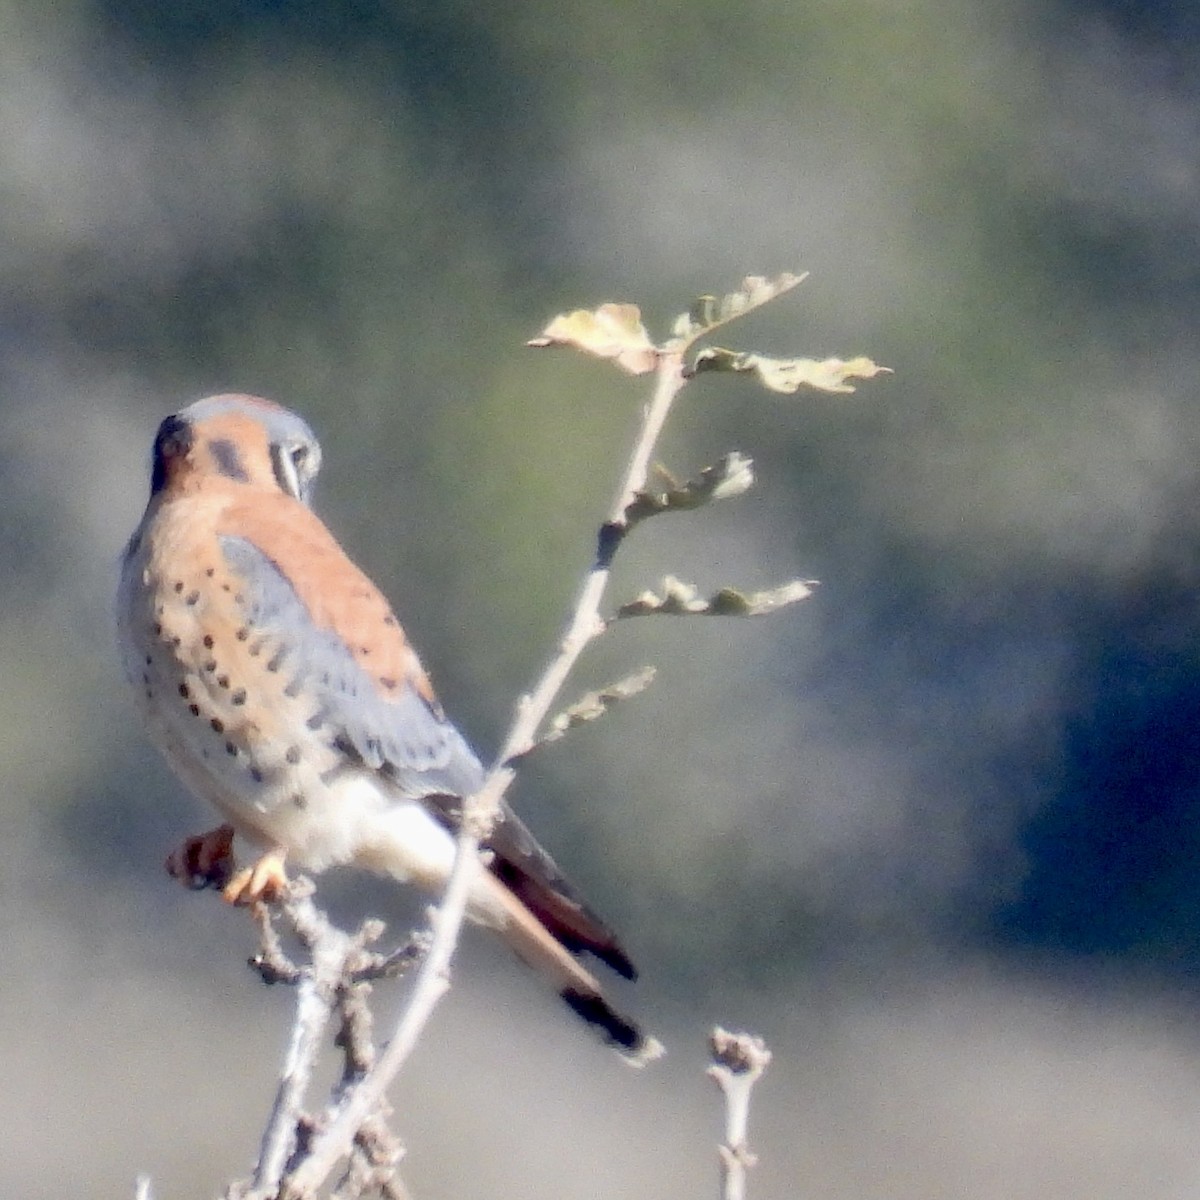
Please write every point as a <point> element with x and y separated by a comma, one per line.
<point>731,475</point>
<point>789,374</point>
<point>611,331</point>
<point>709,312</point>
<point>731,603</point>
<point>595,704</point>
<point>679,599</point>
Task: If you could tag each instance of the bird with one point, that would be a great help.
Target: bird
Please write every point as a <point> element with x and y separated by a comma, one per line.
<point>276,680</point>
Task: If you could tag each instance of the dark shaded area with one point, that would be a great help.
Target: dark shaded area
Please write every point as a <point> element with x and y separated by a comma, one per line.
<point>483,117</point>
<point>1168,23</point>
<point>423,46</point>
<point>1113,853</point>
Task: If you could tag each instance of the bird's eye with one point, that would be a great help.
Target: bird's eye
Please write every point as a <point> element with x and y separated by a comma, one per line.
<point>295,465</point>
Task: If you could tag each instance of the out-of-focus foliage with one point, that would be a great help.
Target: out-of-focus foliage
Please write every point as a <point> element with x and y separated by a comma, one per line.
<point>933,832</point>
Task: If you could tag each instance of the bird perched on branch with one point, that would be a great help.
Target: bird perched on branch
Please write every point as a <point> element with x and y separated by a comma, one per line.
<point>276,680</point>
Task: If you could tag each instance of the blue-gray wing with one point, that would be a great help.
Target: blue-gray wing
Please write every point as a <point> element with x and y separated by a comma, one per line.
<point>401,733</point>
<point>404,735</point>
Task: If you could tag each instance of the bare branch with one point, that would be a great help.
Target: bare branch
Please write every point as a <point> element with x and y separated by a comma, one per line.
<point>738,1063</point>
<point>373,1166</point>
<point>313,1008</point>
<point>370,965</point>
<point>334,982</point>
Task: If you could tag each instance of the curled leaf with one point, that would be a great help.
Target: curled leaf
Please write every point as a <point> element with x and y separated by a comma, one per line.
<point>709,312</point>
<point>611,331</point>
<point>679,599</point>
<point>594,705</point>
<point>730,475</point>
<point>789,374</point>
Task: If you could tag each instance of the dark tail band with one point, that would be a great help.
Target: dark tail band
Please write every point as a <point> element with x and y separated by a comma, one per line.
<point>620,1032</point>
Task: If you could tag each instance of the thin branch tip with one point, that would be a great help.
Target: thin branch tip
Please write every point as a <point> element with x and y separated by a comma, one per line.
<point>738,1062</point>
<point>739,1053</point>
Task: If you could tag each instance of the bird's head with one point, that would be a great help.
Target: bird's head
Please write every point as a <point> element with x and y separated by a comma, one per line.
<point>239,439</point>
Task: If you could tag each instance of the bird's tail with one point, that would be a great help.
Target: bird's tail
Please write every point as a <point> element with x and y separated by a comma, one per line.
<point>537,947</point>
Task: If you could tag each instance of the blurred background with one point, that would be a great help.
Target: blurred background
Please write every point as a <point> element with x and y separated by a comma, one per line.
<point>933,833</point>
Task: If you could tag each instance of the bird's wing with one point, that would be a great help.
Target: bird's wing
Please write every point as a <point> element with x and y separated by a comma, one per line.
<point>350,654</point>
<point>376,699</point>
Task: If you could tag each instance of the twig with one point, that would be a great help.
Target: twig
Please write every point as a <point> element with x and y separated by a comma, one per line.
<point>373,1165</point>
<point>479,811</point>
<point>335,980</point>
<point>738,1062</point>
<point>314,1005</point>
<point>317,986</point>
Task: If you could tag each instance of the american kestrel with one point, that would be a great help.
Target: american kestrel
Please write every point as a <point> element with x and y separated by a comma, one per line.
<point>276,680</point>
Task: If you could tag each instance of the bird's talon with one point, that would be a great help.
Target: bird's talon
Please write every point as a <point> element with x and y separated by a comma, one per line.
<point>265,882</point>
